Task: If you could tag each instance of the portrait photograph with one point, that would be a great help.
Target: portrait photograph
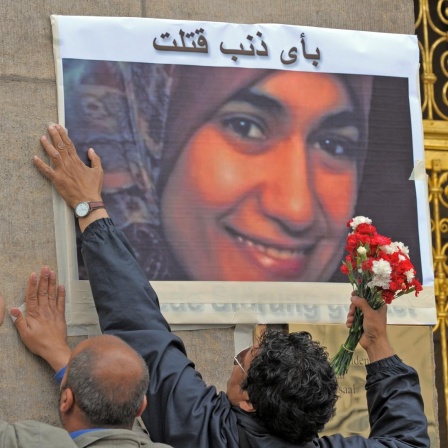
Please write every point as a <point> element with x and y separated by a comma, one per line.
<point>235,155</point>
<point>240,174</point>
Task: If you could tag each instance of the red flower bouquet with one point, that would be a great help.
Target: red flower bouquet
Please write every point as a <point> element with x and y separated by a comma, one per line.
<point>380,271</point>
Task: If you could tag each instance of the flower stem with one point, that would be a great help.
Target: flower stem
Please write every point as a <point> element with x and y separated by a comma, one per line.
<point>341,362</point>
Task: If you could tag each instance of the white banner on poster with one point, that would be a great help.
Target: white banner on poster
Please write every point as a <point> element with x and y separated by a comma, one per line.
<point>273,46</point>
<point>255,85</point>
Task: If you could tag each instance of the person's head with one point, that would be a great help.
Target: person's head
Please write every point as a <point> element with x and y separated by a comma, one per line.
<point>261,174</point>
<point>287,383</point>
<point>104,385</point>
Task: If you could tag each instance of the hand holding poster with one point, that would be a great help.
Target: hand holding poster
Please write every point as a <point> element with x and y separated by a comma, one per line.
<point>234,155</point>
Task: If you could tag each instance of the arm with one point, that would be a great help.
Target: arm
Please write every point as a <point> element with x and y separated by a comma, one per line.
<point>394,398</point>
<point>395,403</point>
<point>181,410</point>
<point>393,390</point>
<point>395,410</point>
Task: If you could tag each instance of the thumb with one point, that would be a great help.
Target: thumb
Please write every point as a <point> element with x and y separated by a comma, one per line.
<point>360,303</point>
<point>18,319</point>
<point>94,158</point>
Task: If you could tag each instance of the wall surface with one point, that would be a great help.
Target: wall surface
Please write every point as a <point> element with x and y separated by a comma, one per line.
<point>28,105</point>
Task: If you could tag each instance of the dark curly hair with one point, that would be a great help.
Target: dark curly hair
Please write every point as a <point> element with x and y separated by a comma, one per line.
<point>291,385</point>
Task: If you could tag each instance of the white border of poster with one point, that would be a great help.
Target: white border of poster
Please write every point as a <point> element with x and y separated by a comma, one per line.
<point>226,45</point>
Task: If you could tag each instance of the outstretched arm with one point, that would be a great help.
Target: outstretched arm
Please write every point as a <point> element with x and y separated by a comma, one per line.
<point>43,328</point>
<point>128,307</point>
<point>394,398</point>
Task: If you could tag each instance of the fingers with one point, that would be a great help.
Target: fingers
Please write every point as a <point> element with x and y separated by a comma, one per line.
<point>52,293</point>
<point>43,293</point>
<point>357,302</point>
<point>71,177</point>
<point>375,317</point>
<point>43,288</point>
<point>61,140</point>
<point>31,293</point>
<point>2,310</point>
<point>61,148</point>
<point>94,158</point>
<point>360,303</point>
<point>61,300</point>
<point>350,315</point>
<point>43,168</point>
<point>56,137</point>
<point>54,154</point>
<point>42,327</point>
<point>383,311</point>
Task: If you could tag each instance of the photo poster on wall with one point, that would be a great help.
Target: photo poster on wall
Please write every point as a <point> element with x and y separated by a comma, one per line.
<point>234,155</point>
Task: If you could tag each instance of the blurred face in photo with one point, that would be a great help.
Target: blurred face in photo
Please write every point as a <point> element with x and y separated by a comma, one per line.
<point>263,190</point>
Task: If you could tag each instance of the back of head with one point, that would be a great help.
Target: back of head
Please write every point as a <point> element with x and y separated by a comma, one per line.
<point>109,380</point>
<point>291,385</point>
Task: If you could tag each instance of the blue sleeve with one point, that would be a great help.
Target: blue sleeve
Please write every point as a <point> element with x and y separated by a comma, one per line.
<point>59,375</point>
<point>395,407</point>
<point>181,410</point>
<point>395,403</point>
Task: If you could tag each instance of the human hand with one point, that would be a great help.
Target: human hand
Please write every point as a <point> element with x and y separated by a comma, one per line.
<point>374,339</point>
<point>44,330</point>
<point>74,180</point>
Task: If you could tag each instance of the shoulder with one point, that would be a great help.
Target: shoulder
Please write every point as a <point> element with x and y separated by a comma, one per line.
<point>27,432</point>
<point>119,438</point>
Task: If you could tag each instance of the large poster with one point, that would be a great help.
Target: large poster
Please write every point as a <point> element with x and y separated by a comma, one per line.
<point>234,155</point>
